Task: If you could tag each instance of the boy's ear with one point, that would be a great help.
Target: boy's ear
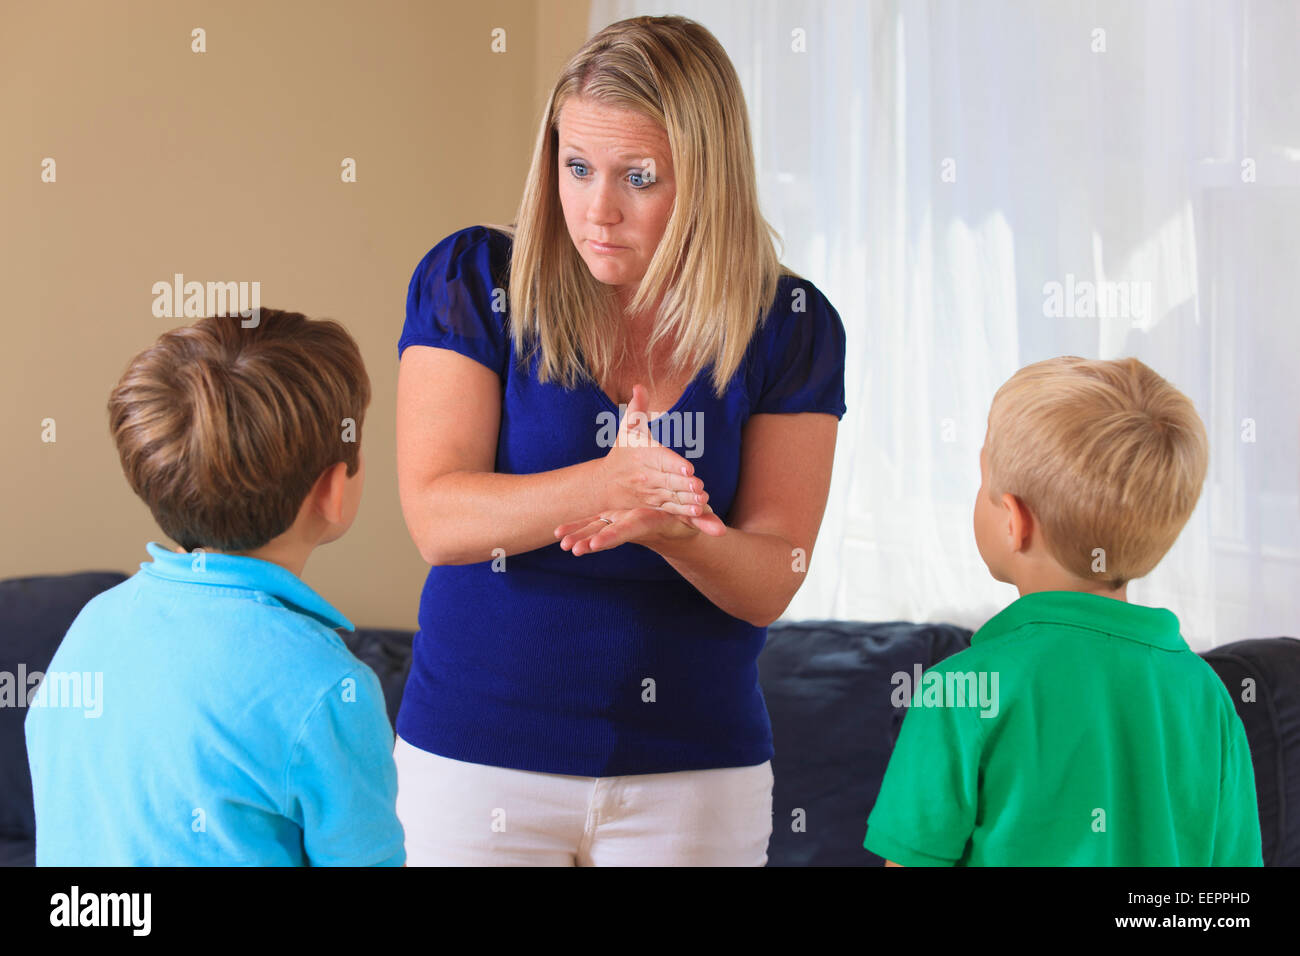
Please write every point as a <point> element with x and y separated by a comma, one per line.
<point>1019,522</point>
<point>329,491</point>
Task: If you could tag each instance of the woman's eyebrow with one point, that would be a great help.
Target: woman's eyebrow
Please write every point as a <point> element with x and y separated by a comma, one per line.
<point>634,157</point>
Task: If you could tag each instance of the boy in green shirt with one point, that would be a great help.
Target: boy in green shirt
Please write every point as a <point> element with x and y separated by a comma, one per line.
<point>1077,729</point>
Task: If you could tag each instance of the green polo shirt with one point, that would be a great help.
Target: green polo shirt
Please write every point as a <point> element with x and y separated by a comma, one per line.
<point>1077,730</point>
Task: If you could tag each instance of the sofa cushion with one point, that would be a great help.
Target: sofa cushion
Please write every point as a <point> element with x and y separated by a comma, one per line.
<point>35,613</point>
<point>388,653</point>
<point>828,686</point>
<point>1263,676</point>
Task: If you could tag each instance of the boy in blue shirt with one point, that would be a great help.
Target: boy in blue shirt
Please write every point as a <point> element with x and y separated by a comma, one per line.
<point>1077,729</point>
<point>233,726</point>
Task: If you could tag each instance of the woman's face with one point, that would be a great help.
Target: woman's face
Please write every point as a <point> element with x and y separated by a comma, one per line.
<point>616,187</point>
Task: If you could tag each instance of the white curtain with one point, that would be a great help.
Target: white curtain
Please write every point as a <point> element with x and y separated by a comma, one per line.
<point>941,169</point>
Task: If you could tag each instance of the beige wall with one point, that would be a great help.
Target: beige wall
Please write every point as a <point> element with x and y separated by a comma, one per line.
<point>226,166</point>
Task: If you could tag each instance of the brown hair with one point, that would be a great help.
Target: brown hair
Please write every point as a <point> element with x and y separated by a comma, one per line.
<point>223,430</point>
<point>1105,454</point>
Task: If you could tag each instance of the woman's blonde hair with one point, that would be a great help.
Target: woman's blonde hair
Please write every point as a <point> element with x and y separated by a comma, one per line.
<point>715,267</point>
<point>1107,455</point>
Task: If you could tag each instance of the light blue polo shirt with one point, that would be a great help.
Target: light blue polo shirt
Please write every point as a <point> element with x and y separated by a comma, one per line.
<point>218,719</point>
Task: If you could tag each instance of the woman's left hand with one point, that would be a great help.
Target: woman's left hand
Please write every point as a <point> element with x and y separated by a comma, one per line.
<point>644,526</point>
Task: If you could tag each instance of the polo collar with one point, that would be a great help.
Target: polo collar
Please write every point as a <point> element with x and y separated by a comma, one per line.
<point>1155,626</point>
<point>239,571</point>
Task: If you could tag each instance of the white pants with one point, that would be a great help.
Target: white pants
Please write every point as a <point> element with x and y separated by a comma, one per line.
<point>468,814</point>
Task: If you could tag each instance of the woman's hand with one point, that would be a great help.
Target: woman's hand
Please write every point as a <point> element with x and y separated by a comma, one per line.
<point>639,472</point>
<point>644,526</point>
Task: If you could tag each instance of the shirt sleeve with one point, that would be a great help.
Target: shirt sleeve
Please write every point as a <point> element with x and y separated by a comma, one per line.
<point>802,366</point>
<point>1237,839</point>
<point>454,301</point>
<point>926,810</point>
<point>341,781</point>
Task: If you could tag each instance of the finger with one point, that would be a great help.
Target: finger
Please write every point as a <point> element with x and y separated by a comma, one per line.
<point>682,486</point>
<point>637,417</point>
<point>669,462</point>
<point>640,400</point>
<point>710,524</point>
<point>629,527</point>
<point>605,537</point>
<point>670,486</point>
<point>571,540</point>
<point>685,504</point>
<point>680,490</point>
<point>573,526</point>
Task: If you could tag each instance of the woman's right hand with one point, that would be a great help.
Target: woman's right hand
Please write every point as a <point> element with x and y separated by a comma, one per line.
<point>641,473</point>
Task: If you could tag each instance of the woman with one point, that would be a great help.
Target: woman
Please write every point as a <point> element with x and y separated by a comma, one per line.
<point>584,687</point>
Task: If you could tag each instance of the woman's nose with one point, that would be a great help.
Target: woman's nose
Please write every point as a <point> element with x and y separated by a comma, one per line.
<point>604,204</point>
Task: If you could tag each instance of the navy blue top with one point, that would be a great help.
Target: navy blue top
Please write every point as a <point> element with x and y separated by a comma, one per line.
<point>545,666</point>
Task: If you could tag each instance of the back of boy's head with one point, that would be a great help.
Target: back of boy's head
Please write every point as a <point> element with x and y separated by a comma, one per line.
<point>1106,455</point>
<point>223,430</point>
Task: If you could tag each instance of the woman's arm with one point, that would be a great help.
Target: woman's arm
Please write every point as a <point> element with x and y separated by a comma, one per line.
<point>753,571</point>
<point>457,509</point>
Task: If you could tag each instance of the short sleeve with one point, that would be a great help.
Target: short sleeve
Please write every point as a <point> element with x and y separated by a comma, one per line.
<point>1237,839</point>
<point>341,781</point>
<point>800,364</point>
<point>454,300</point>
<point>925,813</point>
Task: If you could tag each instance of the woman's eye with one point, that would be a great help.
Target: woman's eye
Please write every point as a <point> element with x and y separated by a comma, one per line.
<point>639,178</point>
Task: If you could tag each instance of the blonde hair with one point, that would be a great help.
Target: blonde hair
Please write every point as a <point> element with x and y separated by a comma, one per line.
<point>223,430</point>
<point>715,267</point>
<point>1105,454</point>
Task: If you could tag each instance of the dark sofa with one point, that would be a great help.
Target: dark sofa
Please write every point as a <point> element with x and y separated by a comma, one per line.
<point>827,685</point>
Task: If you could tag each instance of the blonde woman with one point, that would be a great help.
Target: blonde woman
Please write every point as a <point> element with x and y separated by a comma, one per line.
<point>616,422</point>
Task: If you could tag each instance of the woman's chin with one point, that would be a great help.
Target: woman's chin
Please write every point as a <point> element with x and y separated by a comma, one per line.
<point>603,273</point>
